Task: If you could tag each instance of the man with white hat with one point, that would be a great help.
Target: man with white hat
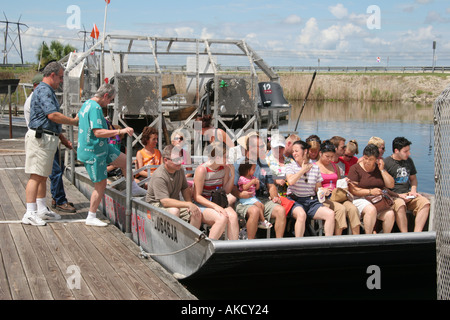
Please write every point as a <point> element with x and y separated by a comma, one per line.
<point>255,152</point>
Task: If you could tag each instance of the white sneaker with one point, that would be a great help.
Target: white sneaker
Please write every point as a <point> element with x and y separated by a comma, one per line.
<point>48,215</point>
<point>95,222</point>
<point>33,219</point>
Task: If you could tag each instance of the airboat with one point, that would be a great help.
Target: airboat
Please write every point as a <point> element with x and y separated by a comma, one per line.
<point>180,79</point>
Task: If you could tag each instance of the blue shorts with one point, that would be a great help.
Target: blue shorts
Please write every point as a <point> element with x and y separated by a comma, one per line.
<point>96,168</point>
<point>309,204</point>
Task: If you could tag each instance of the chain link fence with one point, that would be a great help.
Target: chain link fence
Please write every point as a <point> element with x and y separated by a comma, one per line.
<point>442,192</point>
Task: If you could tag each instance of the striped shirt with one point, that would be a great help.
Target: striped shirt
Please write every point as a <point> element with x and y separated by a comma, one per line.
<point>302,188</point>
<point>213,180</point>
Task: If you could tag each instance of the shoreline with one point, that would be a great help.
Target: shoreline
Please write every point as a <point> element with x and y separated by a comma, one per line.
<point>339,87</point>
<point>364,87</point>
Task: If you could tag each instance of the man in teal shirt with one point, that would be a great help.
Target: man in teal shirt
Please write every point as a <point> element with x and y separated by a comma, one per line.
<point>94,150</point>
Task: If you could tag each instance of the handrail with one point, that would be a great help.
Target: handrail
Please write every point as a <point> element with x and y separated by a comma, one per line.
<point>129,175</point>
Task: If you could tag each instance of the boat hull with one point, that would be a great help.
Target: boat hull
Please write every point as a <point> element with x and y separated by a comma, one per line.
<point>390,266</point>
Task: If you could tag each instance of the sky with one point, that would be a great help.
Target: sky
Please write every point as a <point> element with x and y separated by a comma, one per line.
<point>282,32</point>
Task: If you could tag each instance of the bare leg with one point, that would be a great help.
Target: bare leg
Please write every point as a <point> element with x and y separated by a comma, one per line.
<point>401,219</point>
<point>233,224</point>
<point>252,221</point>
<point>279,215</point>
<point>36,188</point>
<point>369,214</point>
<point>324,213</point>
<point>97,195</point>
<point>217,221</point>
<point>421,218</point>
<point>300,219</point>
<point>388,218</point>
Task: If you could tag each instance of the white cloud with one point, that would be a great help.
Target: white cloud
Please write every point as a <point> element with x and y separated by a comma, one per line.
<point>206,35</point>
<point>184,32</point>
<point>334,37</point>
<point>376,42</point>
<point>293,19</point>
<point>309,32</point>
<point>436,17</point>
<point>339,11</point>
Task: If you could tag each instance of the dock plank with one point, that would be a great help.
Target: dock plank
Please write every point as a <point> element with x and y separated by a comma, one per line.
<point>64,261</point>
<point>109,274</point>
<point>35,261</point>
<point>5,294</point>
<point>17,280</point>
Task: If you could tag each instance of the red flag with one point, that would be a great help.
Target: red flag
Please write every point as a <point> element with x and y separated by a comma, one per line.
<point>95,33</point>
<point>107,1</point>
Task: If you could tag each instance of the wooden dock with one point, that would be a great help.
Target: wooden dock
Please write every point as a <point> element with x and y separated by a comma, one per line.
<point>69,260</point>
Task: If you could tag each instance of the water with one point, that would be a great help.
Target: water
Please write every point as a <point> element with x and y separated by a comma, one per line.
<point>362,121</point>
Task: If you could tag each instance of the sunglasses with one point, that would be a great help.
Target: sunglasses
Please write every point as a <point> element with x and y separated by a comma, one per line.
<point>178,139</point>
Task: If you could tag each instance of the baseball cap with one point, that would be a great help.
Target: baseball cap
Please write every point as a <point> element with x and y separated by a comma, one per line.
<point>277,141</point>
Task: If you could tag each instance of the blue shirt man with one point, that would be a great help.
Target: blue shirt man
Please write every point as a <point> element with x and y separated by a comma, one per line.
<point>43,103</point>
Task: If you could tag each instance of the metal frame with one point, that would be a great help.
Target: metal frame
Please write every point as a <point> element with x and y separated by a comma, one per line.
<point>157,48</point>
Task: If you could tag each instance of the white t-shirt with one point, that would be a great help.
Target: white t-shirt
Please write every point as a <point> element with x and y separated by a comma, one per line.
<point>26,109</point>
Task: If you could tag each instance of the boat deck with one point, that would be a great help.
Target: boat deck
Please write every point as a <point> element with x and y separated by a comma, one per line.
<point>43,263</point>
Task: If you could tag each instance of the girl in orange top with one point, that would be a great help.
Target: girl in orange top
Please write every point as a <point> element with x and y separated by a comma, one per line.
<point>148,155</point>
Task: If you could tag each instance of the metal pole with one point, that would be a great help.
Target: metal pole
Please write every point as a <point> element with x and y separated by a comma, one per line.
<point>10,115</point>
<point>129,177</point>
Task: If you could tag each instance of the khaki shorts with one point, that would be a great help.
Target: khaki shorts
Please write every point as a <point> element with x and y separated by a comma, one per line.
<point>40,153</point>
<point>185,215</point>
<point>414,205</point>
<point>269,205</point>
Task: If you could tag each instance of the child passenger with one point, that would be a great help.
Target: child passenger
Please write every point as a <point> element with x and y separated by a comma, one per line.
<point>248,182</point>
<point>148,155</point>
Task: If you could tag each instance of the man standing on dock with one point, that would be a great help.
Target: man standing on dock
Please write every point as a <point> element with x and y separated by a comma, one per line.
<point>41,142</point>
<point>59,199</point>
<point>401,167</point>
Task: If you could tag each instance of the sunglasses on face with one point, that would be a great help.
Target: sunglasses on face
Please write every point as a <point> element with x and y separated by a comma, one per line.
<point>178,138</point>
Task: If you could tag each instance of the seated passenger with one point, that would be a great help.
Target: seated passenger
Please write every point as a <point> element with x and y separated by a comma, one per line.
<point>255,152</point>
<point>148,155</point>
<point>401,167</point>
<point>248,182</point>
<point>339,143</point>
<point>164,188</point>
<point>277,162</point>
<point>209,176</point>
<point>313,152</point>
<point>288,145</point>
<point>212,134</point>
<point>179,140</point>
<point>330,174</point>
<point>379,143</point>
<point>369,177</point>
<point>349,158</point>
<point>304,179</point>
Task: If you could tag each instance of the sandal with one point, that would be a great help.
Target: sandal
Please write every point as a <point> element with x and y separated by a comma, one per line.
<point>264,224</point>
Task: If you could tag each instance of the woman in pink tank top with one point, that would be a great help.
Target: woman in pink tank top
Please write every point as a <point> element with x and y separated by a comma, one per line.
<point>330,174</point>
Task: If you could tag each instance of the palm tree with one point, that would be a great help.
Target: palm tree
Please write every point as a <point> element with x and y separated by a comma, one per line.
<point>56,51</point>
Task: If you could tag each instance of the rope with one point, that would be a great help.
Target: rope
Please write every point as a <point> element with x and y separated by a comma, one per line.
<point>145,255</point>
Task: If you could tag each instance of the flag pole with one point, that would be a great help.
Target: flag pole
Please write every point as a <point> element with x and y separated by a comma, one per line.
<point>102,64</point>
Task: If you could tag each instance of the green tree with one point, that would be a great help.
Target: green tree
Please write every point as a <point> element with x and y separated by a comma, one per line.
<point>56,51</point>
